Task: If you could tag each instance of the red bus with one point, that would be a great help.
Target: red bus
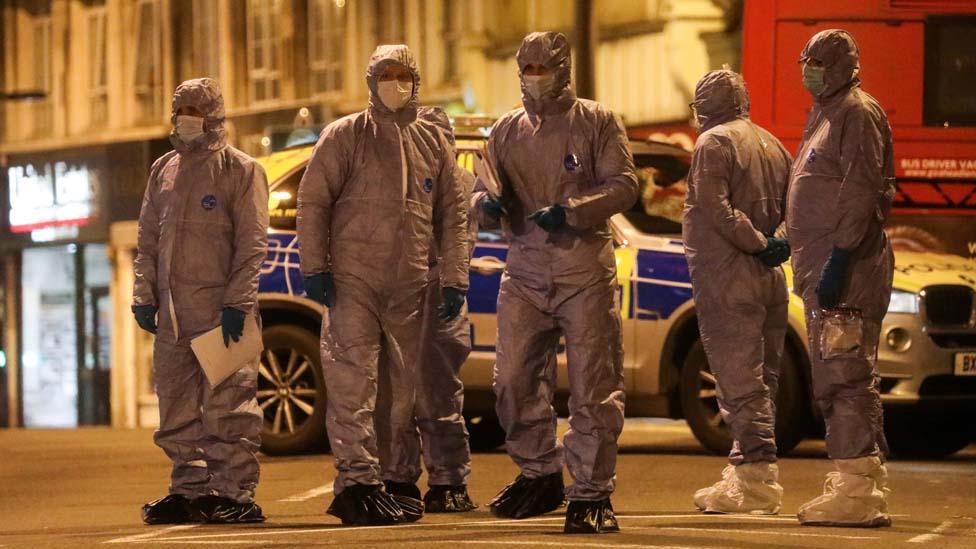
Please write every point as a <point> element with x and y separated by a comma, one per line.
<point>918,58</point>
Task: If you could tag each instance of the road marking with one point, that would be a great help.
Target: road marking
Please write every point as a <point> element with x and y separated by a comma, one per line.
<point>142,538</point>
<point>562,544</point>
<point>309,494</point>
<point>758,532</point>
<point>774,518</point>
<point>934,534</point>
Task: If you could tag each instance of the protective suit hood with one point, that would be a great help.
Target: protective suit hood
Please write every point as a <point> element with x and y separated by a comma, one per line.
<point>204,95</point>
<point>551,50</point>
<point>384,56</point>
<point>720,96</point>
<point>838,52</point>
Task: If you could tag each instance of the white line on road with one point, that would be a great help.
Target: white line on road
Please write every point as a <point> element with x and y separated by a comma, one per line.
<point>309,494</point>
<point>560,544</point>
<point>934,534</point>
<point>759,532</point>
<point>779,518</point>
<point>142,538</point>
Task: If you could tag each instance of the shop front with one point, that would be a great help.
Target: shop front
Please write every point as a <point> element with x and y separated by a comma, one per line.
<point>57,313</point>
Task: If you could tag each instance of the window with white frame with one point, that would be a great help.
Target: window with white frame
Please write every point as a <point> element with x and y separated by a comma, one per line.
<point>149,61</point>
<point>97,55</point>
<point>263,49</point>
<point>206,38</point>
<point>326,44</point>
<point>43,112</point>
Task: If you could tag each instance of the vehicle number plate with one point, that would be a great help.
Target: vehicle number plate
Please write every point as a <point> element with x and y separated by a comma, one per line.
<point>966,364</point>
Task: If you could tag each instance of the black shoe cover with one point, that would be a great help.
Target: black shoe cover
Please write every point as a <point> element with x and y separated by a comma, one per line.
<point>448,499</point>
<point>529,497</point>
<point>370,505</point>
<point>590,517</point>
<point>221,510</point>
<point>172,509</point>
<point>407,489</point>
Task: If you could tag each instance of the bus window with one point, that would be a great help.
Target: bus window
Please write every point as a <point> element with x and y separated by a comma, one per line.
<point>283,202</point>
<point>950,71</point>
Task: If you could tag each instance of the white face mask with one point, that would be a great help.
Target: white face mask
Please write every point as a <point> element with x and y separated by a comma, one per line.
<point>188,127</point>
<point>394,94</point>
<point>538,85</point>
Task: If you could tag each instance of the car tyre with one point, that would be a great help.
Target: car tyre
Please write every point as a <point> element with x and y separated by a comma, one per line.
<point>700,404</point>
<point>292,392</point>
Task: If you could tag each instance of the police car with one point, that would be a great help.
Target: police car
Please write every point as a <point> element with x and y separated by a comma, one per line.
<point>927,355</point>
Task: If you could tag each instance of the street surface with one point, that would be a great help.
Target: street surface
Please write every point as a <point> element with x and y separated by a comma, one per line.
<point>85,487</point>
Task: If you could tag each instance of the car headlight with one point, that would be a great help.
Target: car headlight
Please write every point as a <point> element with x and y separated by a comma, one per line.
<point>903,302</point>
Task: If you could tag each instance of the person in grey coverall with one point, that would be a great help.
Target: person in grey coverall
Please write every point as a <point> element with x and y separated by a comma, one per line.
<point>379,184</point>
<point>202,240</point>
<point>566,168</point>
<point>736,203</point>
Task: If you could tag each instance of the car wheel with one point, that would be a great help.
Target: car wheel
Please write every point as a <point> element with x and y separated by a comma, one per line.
<point>291,392</point>
<point>924,436</point>
<point>485,432</point>
<point>699,401</point>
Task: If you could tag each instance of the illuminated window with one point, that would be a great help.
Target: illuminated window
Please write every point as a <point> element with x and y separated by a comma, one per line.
<point>264,49</point>
<point>206,39</point>
<point>43,113</point>
<point>326,44</point>
<point>98,78</point>
<point>149,66</point>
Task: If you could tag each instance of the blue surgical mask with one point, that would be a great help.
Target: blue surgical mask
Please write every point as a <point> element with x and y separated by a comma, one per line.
<point>813,79</point>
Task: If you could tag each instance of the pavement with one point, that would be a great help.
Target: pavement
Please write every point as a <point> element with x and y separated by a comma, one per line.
<point>85,488</point>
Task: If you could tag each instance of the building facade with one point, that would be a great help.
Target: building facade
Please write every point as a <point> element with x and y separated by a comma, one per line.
<point>74,159</point>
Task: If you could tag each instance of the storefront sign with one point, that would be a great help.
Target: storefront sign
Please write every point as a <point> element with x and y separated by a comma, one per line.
<point>54,194</point>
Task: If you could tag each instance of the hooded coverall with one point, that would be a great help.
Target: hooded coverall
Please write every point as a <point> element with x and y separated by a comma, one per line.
<point>736,197</point>
<point>202,239</point>
<point>444,347</point>
<point>841,190</point>
<point>377,186</point>
<point>573,152</point>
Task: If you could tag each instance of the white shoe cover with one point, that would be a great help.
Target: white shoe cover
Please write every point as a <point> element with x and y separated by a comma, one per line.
<point>750,488</point>
<point>855,495</point>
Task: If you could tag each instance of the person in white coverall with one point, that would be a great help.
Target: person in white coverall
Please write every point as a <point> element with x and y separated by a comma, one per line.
<point>379,184</point>
<point>841,190</point>
<point>202,240</point>
<point>566,168</point>
<point>736,202</point>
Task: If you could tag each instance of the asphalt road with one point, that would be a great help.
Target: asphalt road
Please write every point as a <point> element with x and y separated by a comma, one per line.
<point>84,488</point>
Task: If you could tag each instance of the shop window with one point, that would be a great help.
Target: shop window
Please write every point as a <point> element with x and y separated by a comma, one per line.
<point>326,44</point>
<point>206,37</point>
<point>98,78</point>
<point>43,111</point>
<point>48,329</point>
<point>264,49</point>
<point>149,69</point>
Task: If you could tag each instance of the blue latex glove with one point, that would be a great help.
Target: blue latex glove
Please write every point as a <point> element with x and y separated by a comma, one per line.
<point>550,219</point>
<point>145,317</point>
<point>452,300</point>
<point>832,278</point>
<point>492,207</point>
<point>776,253</point>
<point>232,325</point>
<point>321,289</point>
